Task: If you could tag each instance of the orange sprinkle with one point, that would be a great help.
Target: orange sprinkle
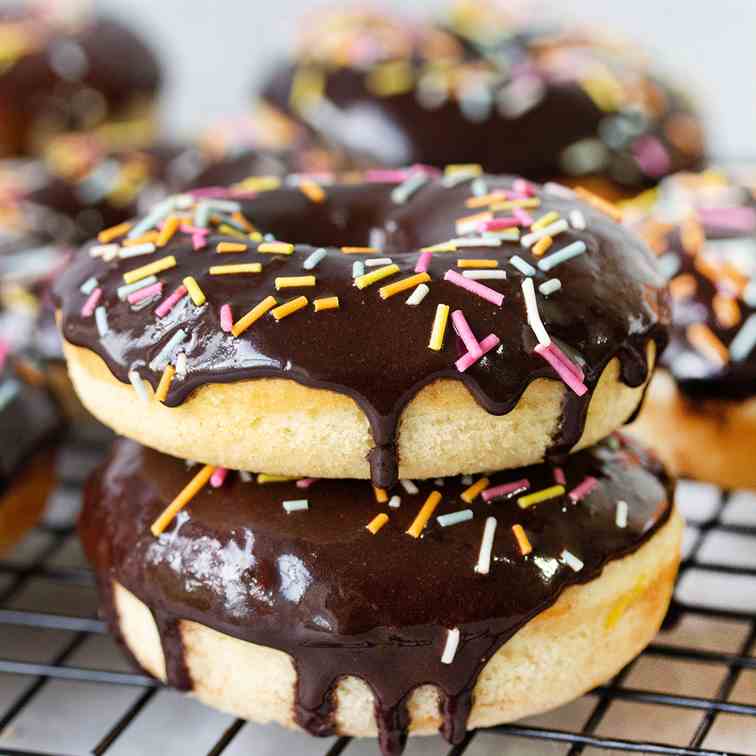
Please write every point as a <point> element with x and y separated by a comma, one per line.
<point>108,234</point>
<point>380,495</point>
<point>287,308</point>
<point>734,278</point>
<point>683,286</point>
<point>377,522</point>
<point>243,222</point>
<point>542,245</point>
<point>195,485</point>
<point>359,250</point>
<point>522,539</point>
<point>528,203</point>
<point>599,203</point>
<point>710,268</point>
<point>727,310</point>
<point>312,190</point>
<point>477,263</point>
<point>253,315</point>
<point>406,283</point>
<point>165,383</point>
<point>170,227</point>
<point>706,342</point>
<point>425,513</point>
<point>470,494</point>
<point>692,236</point>
<point>149,238</point>
<point>483,200</point>
<point>325,303</point>
<point>226,246</point>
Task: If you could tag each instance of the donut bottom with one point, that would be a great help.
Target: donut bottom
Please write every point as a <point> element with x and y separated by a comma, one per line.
<point>712,441</point>
<point>581,641</point>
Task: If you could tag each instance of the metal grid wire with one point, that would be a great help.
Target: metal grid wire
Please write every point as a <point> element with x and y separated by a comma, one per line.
<point>58,528</point>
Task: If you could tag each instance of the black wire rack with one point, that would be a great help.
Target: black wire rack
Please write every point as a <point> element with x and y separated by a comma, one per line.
<point>643,698</point>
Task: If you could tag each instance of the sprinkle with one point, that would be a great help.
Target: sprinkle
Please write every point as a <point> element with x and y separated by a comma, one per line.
<point>359,250</point>
<point>538,496</point>
<point>485,275</point>
<point>542,246</point>
<point>89,306</point>
<point>218,477</point>
<point>326,303</point>
<point>485,199</point>
<point>136,251</point>
<point>707,343</point>
<point>467,360</point>
<point>425,513</point>
<point>151,269</point>
<point>106,251</point>
<point>508,234</point>
<point>168,230</point>
<point>418,295</point>
<point>181,365</point>
<point>550,286</point>
<point>462,169</point>
<point>447,246</point>
<point>395,502</point>
<point>523,543</point>
<point>295,505</point>
<point>199,241</point>
<point>462,327</point>
<point>558,190</point>
<point>583,489</point>
<point>88,286</point>
<point>486,547</point>
<point>293,282</point>
<point>377,522</point>
<point>157,214</point>
<point>553,230</point>
<point>567,253</point>
<point>529,203</point>
<point>727,311</point>
<point>225,247</point>
<point>109,234</point>
<point>358,268</point>
<point>524,267</point>
<point>545,220</point>
<point>571,561</point>
<point>559,476</point>
<point>170,302</point>
<point>577,220</point>
<point>440,320</point>
<point>523,216</point>
<point>745,340</point>
<point>413,183</point>
<point>101,320</point>
<point>467,263</point>
<point>146,292</point>
<point>138,384</point>
<point>245,476</point>
<point>505,489</point>
<point>474,287</point>
<point>165,383</point>
<point>451,645</point>
<point>314,258</point>
<point>366,279</point>
<point>410,487</point>
<point>423,262</point>
<point>196,484</point>
<point>263,478</point>
<point>312,190</point>
<point>376,261</point>
<point>497,224</point>
<point>305,482</point>
<point>599,203</point>
<point>228,270</point>
<point>164,355</point>
<point>454,518</point>
<point>287,308</point>
<point>275,248</point>
<point>620,517</point>
<point>470,223</point>
<point>380,495</point>
<point>399,286</point>
<point>470,494</point>
<point>226,318</point>
<point>195,293</point>
<point>522,186</point>
<point>565,369</point>
<point>534,316</point>
<point>253,315</point>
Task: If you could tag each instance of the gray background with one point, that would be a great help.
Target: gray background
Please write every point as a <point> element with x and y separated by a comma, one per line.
<point>215,49</point>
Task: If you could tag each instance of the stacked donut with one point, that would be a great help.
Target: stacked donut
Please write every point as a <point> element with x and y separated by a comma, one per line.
<point>371,481</point>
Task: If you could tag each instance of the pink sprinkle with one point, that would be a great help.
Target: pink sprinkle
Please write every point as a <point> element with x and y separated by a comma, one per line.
<point>386,175</point>
<point>504,489</point>
<point>305,482</point>
<point>218,477</point>
<point>498,223</point>
<point>566,361</point>
<point>462,327</point>
<point>4,351</point>
<point>466,360</point>
<point>582,490</point>
<point>423,262</point>
<point>91,303</point>
<point>210,192</point>
<point>187,228</point>
<point>474,287</point>
<point>523,218</point>
<point>523,187</point>
<point>431,170</point>
<point>170,302</point>
<point>226,318</point>
<point>559,476</point>
<point>652,156</point>
<point>564,372</point>
<point>734,218</point>
<point>146,292</point>
<point>199,241</point>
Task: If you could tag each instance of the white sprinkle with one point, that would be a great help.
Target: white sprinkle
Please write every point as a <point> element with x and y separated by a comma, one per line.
<point>373,261</point>
<point>621,516</point>
<point>395,502</point>
<point>137,250</point>
<point>744,340</point>
<point>358,268</point>
<point>101,321</point>
<point>138,384</point>
<point>296,505</point>
<point>106,251</point>
<point>475,241</point>
<point>8,390</point>
<point>226,206</point>
<point>314,258</point>
<point>482,275</point>
<point>534,317</point>
<point>418,295</point>
<point>88,286</point>
<point>577,220</point>
<point>161,211</point>
<point>552,230</point>
<point>558,190</point>
<point>164,355</point>
<point>567,253</point>
<point>571,561</point>
<point>454,518</point>
<point>181,365</point>
<point>479,187</point>
<point>410,487</point>
<point>451,645</point>
<point>486,546</point>
<point>246,477</point>
<point>408,187</point>
<point>523,266</point>
<point>124,291</point>
<point>183,201</point>
<point>749,293</point>
<point>439,481</point>
<point>506,234</point>
<point>550,286</point>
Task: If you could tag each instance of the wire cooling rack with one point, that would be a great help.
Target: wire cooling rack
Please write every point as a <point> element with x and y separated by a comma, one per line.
<point>65,688</point>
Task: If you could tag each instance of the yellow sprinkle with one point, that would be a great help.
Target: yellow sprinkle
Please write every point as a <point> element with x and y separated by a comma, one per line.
<point>477,263</point>
<point>380,495</point>
<point>522,539</point>
<point>359,250</point>
<point>170,227</point>
<point>259,183</point>
<point>425,513</point>
<point>253,315</point>
<point>623,603</point>
<point>526,203</point>
<point>307,87</point>
<point>268,478</point>
<point>255,236</point>
<point>545,220</point>
<point>312,190</point>
<point>158,266</point>
<point>224,228</point>
<point>377,522</point>
<point>470,494</point>
<point>149,238</point>
<point>453,169</point>
<point>197,295</point>
<point>292,282</point>
<point>442,247</point>
<point>165,383</point>
<point>406,283</point>
<point>538,496</point>
<point>276,248</point>
<point>280,312</point>
<point>326,303</point>
<point>392,78</point>
<point>542,245</point>
<point>113,233</point>
<point>189,492</point>
<point>226,246</point>
<point>367,279</point>
<point>227,270</point>
<point>439,328</point>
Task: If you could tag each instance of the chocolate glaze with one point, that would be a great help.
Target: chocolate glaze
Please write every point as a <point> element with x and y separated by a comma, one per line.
<point>236,562</point>
<point>611,303</point>
<point>516,99</point>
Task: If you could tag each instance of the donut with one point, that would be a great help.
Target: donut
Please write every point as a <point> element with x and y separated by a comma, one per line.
<point>310,604</point>
<point>516,95</point>
<point>700,413</point>
<point>338,359</point>
<point>72,71</point>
